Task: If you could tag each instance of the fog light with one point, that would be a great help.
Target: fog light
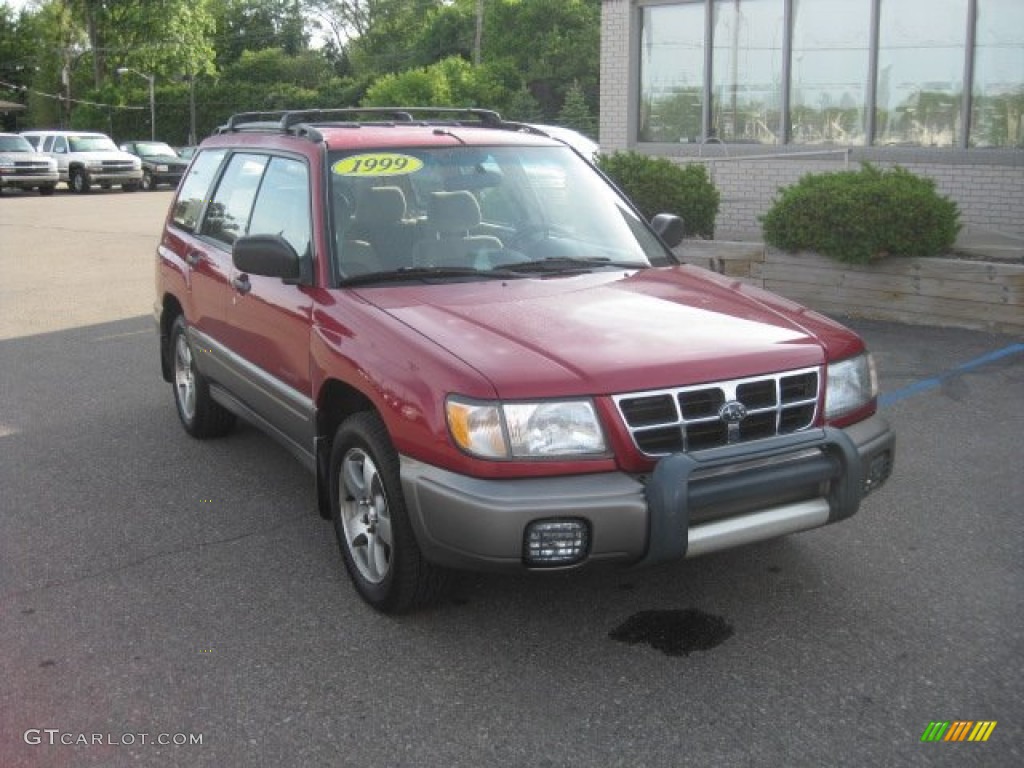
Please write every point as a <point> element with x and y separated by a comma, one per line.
<point>555,542</point>
<point>878,472</point>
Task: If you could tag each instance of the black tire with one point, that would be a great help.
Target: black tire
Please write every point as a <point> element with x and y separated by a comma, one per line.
<point>201,416</point>
<point>371,522</point>
<point>79,182</point>
<point>47,189</point>
<point>148,184</point>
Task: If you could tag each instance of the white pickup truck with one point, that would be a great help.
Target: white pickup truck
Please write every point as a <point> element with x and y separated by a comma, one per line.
<point>85,158</point>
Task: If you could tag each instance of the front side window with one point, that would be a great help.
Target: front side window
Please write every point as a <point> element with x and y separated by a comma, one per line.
<point>672,73</point>
<point>282,205</point>
<point>920,72</point>
<point>227,215</point>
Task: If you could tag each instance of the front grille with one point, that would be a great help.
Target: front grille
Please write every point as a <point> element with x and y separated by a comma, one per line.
<point>689,418</point>
<point>30,168</point>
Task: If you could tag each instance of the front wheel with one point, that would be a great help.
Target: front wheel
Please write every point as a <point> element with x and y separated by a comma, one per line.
<point>200,414</point>
<point>371,522</point>
<point>79,182</point>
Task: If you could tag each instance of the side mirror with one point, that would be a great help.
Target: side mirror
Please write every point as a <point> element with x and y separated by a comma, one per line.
<point>266,255</point>
<point>669,228</point>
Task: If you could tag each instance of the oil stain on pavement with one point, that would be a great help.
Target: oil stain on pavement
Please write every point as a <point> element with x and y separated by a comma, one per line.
<point>674,633</point>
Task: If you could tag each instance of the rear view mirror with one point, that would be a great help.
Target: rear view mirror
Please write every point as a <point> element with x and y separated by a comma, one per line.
<point>669,228</point>
<point>266,255</point>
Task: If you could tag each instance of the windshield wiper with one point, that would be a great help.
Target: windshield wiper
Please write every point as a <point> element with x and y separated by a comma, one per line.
<point>565,264</point>
<point>403,274</point>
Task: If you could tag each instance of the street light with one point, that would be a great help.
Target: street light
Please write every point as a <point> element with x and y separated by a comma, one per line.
<point>152,100</point>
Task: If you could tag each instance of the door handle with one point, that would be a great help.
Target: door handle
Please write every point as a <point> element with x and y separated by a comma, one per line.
<point>242,284</point>
<point>193,258</point>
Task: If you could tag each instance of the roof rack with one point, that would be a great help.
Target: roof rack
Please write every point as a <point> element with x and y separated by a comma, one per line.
<point>304,121</point>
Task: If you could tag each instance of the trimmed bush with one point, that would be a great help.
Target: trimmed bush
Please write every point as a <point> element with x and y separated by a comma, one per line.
<point>656,185</point>
<point>861,216</point>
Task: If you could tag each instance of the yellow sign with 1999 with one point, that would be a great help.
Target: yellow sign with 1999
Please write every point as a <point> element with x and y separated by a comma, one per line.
<point>377,164</point>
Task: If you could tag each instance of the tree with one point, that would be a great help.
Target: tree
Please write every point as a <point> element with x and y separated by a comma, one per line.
<point>575,112</point>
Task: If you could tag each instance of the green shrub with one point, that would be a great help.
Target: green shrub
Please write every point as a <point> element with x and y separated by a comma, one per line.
<point>656,185</point>
<point>860,216</point>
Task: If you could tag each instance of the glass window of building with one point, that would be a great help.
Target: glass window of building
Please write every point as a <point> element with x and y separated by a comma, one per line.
<point>672,72</point>
<point>830,71</point>
<point>998,96</point>
<point>746,78</point>
<point>920,72</point>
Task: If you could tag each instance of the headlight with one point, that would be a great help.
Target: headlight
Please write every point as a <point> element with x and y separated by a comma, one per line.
<point>161,169</point>
<point>548,430</point>
<point>852,384</point>
<point>6,165</point>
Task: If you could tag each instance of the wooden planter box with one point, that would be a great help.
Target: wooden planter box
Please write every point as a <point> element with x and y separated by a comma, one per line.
<point>980,295</point>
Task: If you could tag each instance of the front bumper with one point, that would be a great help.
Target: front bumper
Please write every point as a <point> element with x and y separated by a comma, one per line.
<point>27,181</point>
<point>114,177</point>
<point>690,505</point>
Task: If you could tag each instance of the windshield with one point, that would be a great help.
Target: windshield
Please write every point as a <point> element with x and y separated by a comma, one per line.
<point>91,144</point>
<point>154,149</point>
<point>522,210</point>
<point>15,144</point>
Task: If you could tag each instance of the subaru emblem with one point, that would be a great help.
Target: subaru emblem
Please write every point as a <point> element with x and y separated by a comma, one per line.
<point>732,412</point>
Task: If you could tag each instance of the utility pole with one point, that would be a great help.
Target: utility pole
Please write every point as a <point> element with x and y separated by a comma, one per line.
<point>479,36</point>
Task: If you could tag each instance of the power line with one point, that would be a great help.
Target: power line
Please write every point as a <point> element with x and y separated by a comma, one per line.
<point>58,97</point>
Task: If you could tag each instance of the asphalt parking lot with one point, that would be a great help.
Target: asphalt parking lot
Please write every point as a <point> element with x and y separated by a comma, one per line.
<point>165,602</point>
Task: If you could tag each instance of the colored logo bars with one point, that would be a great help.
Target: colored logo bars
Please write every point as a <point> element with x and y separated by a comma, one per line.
<point>958,730</point>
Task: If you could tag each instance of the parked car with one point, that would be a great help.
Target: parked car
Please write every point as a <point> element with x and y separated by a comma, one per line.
<point>479,379</point>
<point>21,167</point>
<point>85,158</point>
<point>160,163</point>
<point>581,143</point>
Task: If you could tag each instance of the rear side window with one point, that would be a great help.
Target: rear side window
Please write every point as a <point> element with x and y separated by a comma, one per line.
<point>195,188</point>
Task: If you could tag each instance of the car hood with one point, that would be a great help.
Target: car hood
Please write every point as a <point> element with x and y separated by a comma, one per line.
<point>604,333</point>
<point>102,155</point>
<point>23,157</point>
<point>164,160</point>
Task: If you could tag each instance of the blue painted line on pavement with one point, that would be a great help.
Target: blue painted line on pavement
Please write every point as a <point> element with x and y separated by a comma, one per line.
<point>925,385</point>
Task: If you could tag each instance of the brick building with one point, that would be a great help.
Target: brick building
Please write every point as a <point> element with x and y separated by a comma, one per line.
<point>764,91</point>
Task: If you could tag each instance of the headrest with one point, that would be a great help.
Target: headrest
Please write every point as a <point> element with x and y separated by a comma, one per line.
<point>453,211</point>
<point>381,205</point>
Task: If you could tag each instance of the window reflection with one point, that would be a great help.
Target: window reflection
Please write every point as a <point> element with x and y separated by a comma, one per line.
<point>746,94</point>
<point>920,63</point>
<point>830,69</point>
<point>998,96</point>
<point>920,71</point>
<point>672,73</point>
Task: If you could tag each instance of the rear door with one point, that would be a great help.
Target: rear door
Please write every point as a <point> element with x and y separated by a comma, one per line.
<point>205,261</point>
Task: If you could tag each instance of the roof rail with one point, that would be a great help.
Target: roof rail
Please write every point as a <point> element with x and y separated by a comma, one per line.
<point>302,121</point>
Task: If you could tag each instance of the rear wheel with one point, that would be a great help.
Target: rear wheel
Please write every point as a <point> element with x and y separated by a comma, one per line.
<point>200,414</point>
<point>372,524</point>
